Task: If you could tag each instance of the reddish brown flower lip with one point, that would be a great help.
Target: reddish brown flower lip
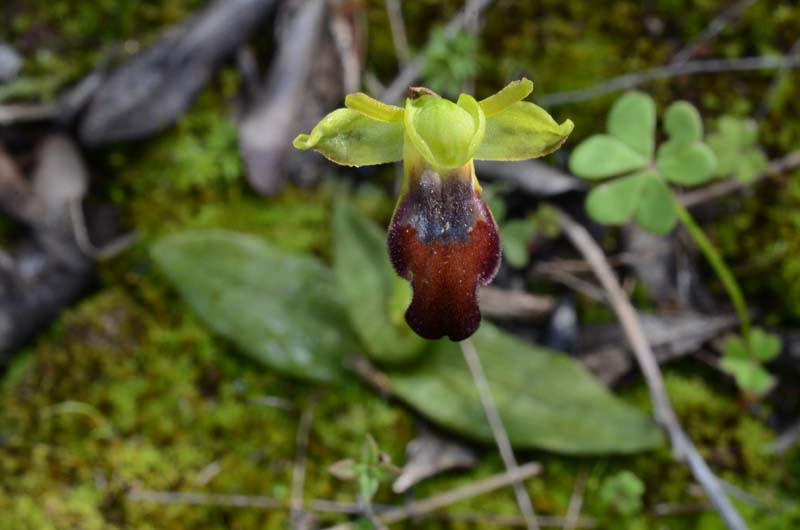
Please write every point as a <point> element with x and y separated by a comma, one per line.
<point>443,240</point>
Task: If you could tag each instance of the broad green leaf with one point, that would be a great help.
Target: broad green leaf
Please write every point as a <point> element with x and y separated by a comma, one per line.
<point>749,375</point>
<point>764,346</point>
<point>367,283</point>
<point>632,119</point>
<point>656,212</point>
<point>602,156</point>
<point>735,348</point>
<point>515,236</point>
<point>522,131</point>
<point>377,110</point>
<point>446,134</point>
<point>615,202</point>
<point>683,123</point>
<point>280,309</point>
<point>350,138</point>
<point>510,94</point>
<point>686,164</point>
<point>734,145</point>
<point>546,399</point>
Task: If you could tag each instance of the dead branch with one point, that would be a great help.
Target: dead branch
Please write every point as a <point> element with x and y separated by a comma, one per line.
<point>682,447</point>
<point>498,431</point>
<point>634,79</point>
<point>507,304</point>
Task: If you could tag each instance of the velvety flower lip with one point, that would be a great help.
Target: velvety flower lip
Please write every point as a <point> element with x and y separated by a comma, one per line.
<point>442,238</point>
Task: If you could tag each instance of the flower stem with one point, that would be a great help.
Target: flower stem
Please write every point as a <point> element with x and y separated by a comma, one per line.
<point>715,260</point>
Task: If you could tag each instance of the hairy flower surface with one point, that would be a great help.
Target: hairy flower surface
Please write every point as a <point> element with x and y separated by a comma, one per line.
<point>442,237</point>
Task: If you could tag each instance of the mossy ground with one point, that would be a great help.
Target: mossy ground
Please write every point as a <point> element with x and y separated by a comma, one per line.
<point>128,390</point>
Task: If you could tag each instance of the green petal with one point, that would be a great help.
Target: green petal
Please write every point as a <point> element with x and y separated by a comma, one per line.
<point>602,156</point>
<point>632,119</point>
<point>512,93</point>
<point>656,212</point>
<point>377,110</point>
<point>520,132</point>
<point>446,134</point>
<point>686,165</point>
<point>614,203</point>
<point>350,138</point>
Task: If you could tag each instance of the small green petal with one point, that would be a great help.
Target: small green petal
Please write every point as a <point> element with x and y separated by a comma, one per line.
<point>350,138</point>
<point>446,134</point>
<point>602,156</point>
<point>377,110</point>
<point>513,92</point>
<point>522,131</point>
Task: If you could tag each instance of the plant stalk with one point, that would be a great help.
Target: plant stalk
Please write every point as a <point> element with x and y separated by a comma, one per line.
<point>715,260</point>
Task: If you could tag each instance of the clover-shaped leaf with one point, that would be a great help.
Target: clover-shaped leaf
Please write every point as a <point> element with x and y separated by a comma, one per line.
<point>735,145</point>
<point>515,236</point>
<point>641,194</point>
<point>742,359</point>
<point>684,159</point>
<point>632,119</point>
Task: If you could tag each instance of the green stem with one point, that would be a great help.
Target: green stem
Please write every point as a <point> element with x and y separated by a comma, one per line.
<point>716,262</point>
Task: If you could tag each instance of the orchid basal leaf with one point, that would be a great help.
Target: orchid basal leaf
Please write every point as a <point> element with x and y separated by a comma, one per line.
<point>632,119</point>
<point>512,93</point>
<point>522,131</point>
<point>602,156</point>
<point>377,110</point>
<point>350,138</point>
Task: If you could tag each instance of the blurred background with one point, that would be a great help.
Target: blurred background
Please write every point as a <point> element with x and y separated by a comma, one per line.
<point>188,327</point>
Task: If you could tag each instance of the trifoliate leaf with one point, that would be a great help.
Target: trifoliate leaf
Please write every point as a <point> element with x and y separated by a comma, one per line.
<point>602,156</point>
<point>683,123</point>
<point>690,164</point>
<point>615,202</point>
<point>632,119</point>
<point>656,212</point>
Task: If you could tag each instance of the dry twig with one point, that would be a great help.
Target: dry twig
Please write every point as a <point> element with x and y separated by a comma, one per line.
<point>634,79</point>
<point>682,447</point>
<point>398,28</point>
<point>498,430</point>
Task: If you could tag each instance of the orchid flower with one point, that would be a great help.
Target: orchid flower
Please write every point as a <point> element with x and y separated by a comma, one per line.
<point>442,237</point>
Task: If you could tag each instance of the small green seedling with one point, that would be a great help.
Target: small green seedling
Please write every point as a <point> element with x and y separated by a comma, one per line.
<point>636,185</point>
<point>372,468</point>
<point>622,493</point>
<point>743,360</point>
<point>735,144</point>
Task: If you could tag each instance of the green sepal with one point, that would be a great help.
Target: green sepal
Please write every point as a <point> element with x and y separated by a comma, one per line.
<point>350,138</point>
<point>372,108</point>
<point>602,156</point>
<point>446,134</point>
<point>522,131</point>
<point>632,119</point>
<point>510,94</point>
